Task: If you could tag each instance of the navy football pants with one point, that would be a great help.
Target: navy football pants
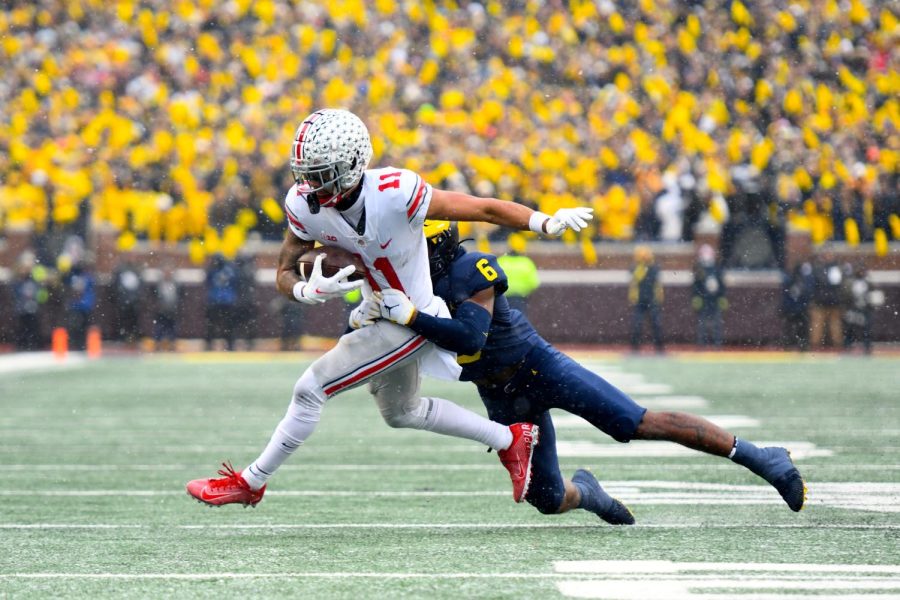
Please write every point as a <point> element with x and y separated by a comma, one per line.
<point>550,379</point>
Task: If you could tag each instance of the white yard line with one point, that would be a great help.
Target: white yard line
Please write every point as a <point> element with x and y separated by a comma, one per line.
<point>29,362</point>
<point>421,526</point>
<point>26,468</point>
<point>566,421</point>
<point>672,402</point>
<point>639,579</point>
<point>864,496</point>
<point>607,588</point>
<point>649,567</point>
<point>698,590</point>
<point>616,486</point>
<point>658,449</point>
<point>297,575</point>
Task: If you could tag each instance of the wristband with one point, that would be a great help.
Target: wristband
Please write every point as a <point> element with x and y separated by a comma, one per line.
<point>536,221</point>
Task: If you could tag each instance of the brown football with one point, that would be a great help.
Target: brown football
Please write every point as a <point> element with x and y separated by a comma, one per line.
<point>336,258</point>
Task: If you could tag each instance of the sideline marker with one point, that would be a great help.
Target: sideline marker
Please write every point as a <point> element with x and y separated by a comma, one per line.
<point>94,342</point>
<point>60,343</point>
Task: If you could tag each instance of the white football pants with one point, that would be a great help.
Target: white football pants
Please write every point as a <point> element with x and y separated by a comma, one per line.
<point>387,357</point>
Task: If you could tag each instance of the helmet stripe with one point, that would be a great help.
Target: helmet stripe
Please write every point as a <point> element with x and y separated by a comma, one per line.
<point>299,145</point>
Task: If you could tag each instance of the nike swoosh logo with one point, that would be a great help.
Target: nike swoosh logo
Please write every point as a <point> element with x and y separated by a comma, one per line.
<point>204,495</point>
<point>386,244</point>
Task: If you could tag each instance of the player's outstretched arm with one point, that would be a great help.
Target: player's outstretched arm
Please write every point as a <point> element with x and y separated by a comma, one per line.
<point>456,206</point>
<point>465,333</point>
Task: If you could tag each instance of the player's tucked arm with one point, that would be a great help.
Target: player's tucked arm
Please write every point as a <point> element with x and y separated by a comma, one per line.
<point>286,276</point>
<point>466,332</point>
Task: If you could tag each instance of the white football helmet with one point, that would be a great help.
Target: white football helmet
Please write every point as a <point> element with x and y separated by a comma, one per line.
<point>331,152</point>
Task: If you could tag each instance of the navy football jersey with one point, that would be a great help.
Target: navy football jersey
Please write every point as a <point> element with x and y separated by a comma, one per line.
<point>510,336</point>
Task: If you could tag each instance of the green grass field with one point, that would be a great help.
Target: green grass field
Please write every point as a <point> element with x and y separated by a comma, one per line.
<point>96,456</point>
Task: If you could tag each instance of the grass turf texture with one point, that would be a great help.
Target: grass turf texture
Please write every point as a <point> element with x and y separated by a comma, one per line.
<point>441,521</point>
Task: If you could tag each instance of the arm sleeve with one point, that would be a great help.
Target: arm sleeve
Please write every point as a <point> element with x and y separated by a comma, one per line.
<point>465,333</point>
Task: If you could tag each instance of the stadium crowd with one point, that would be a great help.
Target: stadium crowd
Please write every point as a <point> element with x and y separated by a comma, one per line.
<point>170,121</point>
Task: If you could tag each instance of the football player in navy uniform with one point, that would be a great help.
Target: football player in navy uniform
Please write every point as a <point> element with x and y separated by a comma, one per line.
<point>520,376</point>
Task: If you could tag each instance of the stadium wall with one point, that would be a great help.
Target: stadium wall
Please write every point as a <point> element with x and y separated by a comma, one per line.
<point>575,303</point>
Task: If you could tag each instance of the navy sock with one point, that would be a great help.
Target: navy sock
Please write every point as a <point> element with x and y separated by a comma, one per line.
<point>749,455</point>
<point>592,499</point>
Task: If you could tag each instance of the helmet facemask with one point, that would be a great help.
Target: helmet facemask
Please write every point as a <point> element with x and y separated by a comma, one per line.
<point>327,177</point>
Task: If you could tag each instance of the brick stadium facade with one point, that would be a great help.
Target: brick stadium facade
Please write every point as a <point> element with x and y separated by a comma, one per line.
<point>576,304</point>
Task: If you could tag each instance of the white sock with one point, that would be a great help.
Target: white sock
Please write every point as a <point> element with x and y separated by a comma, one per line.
<point>449,418</point>
<point>298,424</point>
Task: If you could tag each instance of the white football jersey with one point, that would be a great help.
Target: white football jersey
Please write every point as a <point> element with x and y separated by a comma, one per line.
<point>392,246</point>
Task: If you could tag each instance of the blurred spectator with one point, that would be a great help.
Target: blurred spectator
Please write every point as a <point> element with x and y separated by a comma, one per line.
<point>30,294</point>
<point>859,301</point>
<point>290,317</point>
<point>645,294</point>
<point>669,208</point>
<point>79,284</point>
<point>753,236</point>
<point>825,312</point>
<point>246,309</point>
<point>797,292</point>
<point>521,273</point>
<point>127,292</point>
<point>167,296</point>
<point>709,297</point>
<point>221,300</point>
<point>164,119</point>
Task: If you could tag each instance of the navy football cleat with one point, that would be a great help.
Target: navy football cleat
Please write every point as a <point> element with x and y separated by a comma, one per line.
<point>779,470</point>
<point>597,501</point>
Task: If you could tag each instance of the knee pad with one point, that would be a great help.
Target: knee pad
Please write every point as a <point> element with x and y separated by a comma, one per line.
<point>308,394</point>
<point>546,496</point>
<point>410,414</point>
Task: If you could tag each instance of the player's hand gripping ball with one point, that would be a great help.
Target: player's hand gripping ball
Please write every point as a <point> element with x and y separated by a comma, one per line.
<point>336,258</point>
<point>342,273</point>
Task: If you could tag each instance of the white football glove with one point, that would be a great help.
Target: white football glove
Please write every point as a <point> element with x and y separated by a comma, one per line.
<point>366,312</point>
<point>565,218</point>
<point>318,289</point>
<point>396,307</point>
<point>569,218</point>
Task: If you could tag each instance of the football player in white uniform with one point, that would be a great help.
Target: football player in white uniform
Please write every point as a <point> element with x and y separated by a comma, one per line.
<point>377,214</point>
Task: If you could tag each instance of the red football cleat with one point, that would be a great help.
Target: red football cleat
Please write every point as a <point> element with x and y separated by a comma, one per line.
<point>229,489</point>
<point>517,458</point>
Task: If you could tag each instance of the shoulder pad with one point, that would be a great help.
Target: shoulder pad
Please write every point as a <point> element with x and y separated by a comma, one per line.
<point>401,188</point>
<point>477,271</point>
